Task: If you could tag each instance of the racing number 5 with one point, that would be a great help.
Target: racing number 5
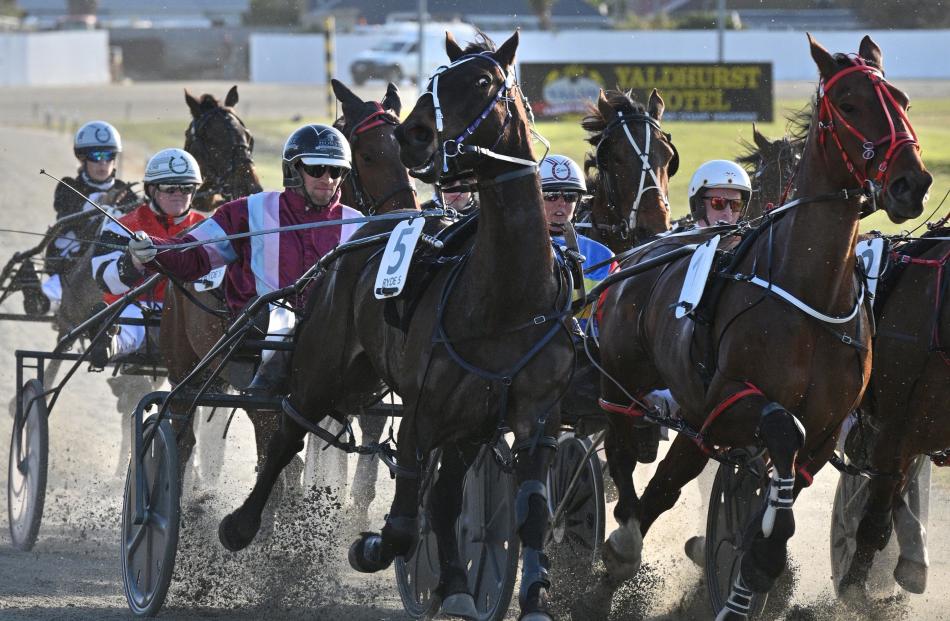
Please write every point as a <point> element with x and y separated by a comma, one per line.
<point>400,247</point>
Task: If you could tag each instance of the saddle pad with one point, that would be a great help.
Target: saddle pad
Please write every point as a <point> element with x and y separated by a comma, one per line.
<point>696,277</point>
<point>211,280</point>
<point>394,265</point>
<point>871,253</point>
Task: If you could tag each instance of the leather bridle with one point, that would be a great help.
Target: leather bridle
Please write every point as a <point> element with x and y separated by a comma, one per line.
<point>366,203</point>
<point>218,181</point>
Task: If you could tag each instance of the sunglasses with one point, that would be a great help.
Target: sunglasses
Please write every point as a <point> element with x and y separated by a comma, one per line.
<point>176,188</point>
<point>101,156</point>
<point>318,170</point>
<point>569,197</point>
<point>719,203</point>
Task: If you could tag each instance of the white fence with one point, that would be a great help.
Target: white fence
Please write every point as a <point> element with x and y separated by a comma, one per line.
<point>907,53</point>
<point>54,58</point>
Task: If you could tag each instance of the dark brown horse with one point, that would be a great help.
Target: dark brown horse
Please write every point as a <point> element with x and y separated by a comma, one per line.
<point>496,307</point>
<point>628,170</point>
<point>223,146</point>
<point>778,351</point>
<point>907,399</point>
<point>771,165</point>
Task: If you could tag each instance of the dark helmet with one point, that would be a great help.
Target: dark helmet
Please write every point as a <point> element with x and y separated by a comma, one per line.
<point>313,145</point>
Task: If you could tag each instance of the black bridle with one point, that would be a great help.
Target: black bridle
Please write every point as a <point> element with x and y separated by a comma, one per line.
<point>622,226</point>
<point>218,181</point>
<point>785,163</point>
<point>365,202</point>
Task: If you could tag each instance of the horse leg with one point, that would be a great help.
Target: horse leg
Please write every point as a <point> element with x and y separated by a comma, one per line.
<point>372,552</point>
<point>682,464</point>
<point>367,469</point>
<point>238,529</point>
<point>911,570</point>
<point>622,550</point>
<point>765,560</point>
<point>444,507</point>
<point>532,519</point>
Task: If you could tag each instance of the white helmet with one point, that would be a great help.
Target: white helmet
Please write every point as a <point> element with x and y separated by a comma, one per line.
<point>172,166</point>
<point>717,174</point>
<point>559,172</point>
<point>96,136</point>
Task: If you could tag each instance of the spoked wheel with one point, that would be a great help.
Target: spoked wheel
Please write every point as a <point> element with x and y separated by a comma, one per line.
<point>488,544</point>
<point>26,473</point>
<point>577,531</point>
<point>149,548</point>
<point>737,495</point>
<point>851,498</point>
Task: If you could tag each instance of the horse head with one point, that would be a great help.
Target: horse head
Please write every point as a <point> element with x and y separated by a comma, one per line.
<point>861,121</point>
<point>470,108</point>
<point>223,146</point>
<point>633,160</point>
<point>771,165</point>
<point>378,182</point>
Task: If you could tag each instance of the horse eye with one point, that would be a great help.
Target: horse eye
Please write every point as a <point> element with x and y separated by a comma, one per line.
<point>483,82</point>
<point>847,108</point>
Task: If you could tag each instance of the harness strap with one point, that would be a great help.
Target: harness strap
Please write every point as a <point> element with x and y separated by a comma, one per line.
<point>727,403</point>
<point>633,409</point>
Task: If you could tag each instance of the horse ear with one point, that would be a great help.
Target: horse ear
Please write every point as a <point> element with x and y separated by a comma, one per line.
<point>505,55</point>
<point>231,98</point>
<point>870,52</point>
<point>351,102</point>
<point>452,48</point>
<point>391,101</point>
<point>193,104</point>
<point>603,106</point>
<point>759,139</point>
<point>827,66</point>
<point>657,106</point>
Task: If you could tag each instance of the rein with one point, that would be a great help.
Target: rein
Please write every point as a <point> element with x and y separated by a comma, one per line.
<point>365,201</point>
<point>242,147</point>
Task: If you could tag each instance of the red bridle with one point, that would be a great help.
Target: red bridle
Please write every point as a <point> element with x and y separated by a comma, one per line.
<point>829,118</point>
<point>380,117</point>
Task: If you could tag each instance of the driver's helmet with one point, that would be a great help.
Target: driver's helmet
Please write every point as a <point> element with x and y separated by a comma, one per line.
<point>313,145</point>
<point>717,174</point>
<point>96,137</point>
<point>559,172</point>
<point>172,166</point>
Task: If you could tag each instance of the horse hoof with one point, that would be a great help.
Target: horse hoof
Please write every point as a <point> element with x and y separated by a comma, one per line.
<point>460,605</point>
<point>852,593</point>
<point>536,616</point>
<point>232,536</point>
<point>364,554</point>
<point>622,551</point>
<point>696,550</point>
<point>911,575</point>
<point>729,615</point>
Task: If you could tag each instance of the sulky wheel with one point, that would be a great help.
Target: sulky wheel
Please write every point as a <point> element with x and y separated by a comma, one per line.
<point>737,495</point>
<point>149,547</point>
<point>577,530</point>
<point>26,474</point>
<point>488,544</point>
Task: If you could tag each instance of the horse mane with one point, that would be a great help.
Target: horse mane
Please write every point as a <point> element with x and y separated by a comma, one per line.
<point>482,43</point>
<point>208,102</point>
<point>596,123</point>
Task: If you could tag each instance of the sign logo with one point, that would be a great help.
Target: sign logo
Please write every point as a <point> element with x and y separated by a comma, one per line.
<point>178,171</point>
<point>103,135</point>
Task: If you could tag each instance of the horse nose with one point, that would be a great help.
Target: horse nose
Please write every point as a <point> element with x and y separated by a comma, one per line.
<point>414,134</point>
<point>910,187</point>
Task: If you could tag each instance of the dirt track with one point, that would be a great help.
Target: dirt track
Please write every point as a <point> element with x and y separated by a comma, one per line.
<point>73,573</point>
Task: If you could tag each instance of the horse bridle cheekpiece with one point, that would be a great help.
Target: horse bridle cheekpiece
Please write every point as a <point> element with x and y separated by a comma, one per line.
<point>365,201</point>
<point>242,148</point>
<point>829,118</point>
<point>629,223</point>
<point>455,147</point>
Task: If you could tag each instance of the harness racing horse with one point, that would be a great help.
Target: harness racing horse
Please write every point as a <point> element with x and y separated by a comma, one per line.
<point>223,146</point>
<point>907,399</point>
<point>499,304</point>
<point>778,351</point>
<point>771,165</point>
<point>632,162</point>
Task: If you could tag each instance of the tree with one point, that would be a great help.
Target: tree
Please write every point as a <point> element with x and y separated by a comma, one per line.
<point>542,8</point>
<point>903,13</point>
<point>274,13</point>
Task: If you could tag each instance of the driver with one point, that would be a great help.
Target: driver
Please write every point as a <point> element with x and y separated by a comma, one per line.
<point>171,179</point>
<point>97,146</point>
<point>718,192</point>
<point>316,158</point>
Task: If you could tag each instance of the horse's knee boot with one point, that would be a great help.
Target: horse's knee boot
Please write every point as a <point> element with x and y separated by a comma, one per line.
<point>784,436</point>
<point>739,604</point>
<point>532,515</point>
<point>875,529</point>
<point>535,581</point>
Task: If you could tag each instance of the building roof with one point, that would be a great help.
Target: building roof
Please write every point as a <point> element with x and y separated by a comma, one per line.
<point>376,11</point>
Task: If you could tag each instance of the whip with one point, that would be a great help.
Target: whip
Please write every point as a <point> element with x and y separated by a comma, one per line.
<point>91,202</point>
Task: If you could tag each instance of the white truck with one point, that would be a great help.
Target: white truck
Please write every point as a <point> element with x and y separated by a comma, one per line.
<point>395,56</point>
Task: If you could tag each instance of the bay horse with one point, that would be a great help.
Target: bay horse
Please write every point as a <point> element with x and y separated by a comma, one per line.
<point>907,399</point>
<point>629,169</point>
<point>498,305</point>
<point>778,351</point>
<point>771,165</point>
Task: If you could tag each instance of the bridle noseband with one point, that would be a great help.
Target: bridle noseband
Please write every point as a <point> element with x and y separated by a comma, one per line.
<point>365,201</point>
<point>629,224</point>
<point>242,147</point>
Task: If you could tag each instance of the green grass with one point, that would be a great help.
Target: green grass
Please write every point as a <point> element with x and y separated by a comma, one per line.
<point>696,142</point>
